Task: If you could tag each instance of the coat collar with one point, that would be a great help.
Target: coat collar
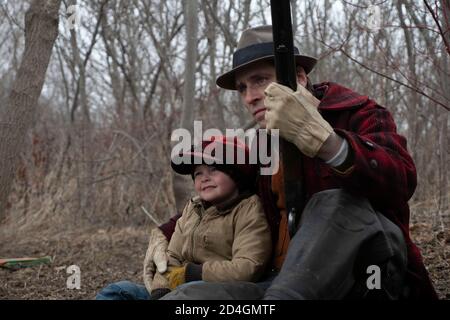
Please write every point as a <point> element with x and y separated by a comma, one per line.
<point>205,207</point>
<point>333,96</point>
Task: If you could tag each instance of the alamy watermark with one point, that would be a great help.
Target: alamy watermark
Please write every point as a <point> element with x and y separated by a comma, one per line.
<point>74,280</point>
<point>374,280</point>
<point>262,150</point>
<point>73,17</point>
<point>374,19</point>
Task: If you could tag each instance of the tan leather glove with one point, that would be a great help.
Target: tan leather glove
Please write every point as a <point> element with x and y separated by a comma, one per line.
<point>295,114</point>
<point>156,255</point>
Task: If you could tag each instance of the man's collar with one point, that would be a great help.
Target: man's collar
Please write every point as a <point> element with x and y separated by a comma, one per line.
<point>333,96</point>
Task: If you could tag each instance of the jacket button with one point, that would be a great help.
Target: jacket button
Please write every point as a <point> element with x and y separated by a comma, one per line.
<point>374,163</point>
<point>369,144</point>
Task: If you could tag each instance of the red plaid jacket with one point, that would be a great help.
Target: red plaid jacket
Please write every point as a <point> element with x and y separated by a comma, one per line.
<point>382,170</point>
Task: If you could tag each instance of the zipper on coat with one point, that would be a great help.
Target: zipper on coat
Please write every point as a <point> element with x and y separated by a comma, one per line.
<point>200,214</point>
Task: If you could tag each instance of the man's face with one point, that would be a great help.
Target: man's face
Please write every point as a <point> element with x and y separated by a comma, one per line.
<point>251,83</point>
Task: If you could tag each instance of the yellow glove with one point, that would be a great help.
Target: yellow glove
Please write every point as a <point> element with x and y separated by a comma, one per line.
<point>176,276</point>
<point>295,114</point>
<point>156,257</point>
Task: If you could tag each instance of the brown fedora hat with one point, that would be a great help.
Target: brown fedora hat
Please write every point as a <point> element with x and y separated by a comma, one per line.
<point>256,44</point>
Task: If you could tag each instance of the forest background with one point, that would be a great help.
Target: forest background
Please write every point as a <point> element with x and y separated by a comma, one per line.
<point>90,174</point>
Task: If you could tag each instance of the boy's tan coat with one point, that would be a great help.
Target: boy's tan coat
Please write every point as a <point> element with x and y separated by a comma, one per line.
<point>232,244</point>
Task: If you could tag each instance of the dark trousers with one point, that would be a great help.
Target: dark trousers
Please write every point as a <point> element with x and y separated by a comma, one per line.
<point>343,249</point>
<point>340,249</point>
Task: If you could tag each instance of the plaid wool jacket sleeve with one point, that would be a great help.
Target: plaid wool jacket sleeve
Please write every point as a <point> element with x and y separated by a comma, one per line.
<point>380,166</point>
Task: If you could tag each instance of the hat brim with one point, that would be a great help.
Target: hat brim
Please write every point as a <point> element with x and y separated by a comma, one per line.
<point>228,79</point>
<point>191,159</point>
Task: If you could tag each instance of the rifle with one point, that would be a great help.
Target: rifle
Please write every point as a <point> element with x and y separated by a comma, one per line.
<point>290,156</point>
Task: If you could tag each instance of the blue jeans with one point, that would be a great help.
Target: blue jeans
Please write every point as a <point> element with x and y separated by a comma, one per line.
<point>123,290</point>
<point>127,290</point>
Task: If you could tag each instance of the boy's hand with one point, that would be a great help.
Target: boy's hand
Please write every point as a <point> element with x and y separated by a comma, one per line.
<point>156,255</point>
<point>176,276</point>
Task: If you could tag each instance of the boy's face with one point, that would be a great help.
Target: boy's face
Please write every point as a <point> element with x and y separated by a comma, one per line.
<point>213,185</point>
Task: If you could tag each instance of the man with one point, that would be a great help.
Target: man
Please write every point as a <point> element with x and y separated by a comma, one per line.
<point>358,177</point>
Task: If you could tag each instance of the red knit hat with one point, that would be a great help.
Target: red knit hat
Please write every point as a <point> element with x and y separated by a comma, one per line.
<point>214,151</point>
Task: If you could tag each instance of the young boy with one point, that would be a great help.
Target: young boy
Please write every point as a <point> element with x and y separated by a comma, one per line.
<point>223,234</point>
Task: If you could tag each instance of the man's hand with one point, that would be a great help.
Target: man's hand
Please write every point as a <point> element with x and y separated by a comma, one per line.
<point>156,255</point>
<point>295,114</point>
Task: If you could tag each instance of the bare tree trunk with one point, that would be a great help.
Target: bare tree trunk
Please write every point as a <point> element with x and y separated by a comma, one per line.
<point>81,85</point>
<point>117,85</point>
<point>294,10</point>
<point>180,183</point>
<point>443,128</point>
<point>215,108</point>
<point>41,30</point>
<point>191,58</point>
<point>413,98</point>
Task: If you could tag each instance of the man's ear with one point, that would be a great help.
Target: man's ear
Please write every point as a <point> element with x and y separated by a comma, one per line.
<point>301,76</point>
